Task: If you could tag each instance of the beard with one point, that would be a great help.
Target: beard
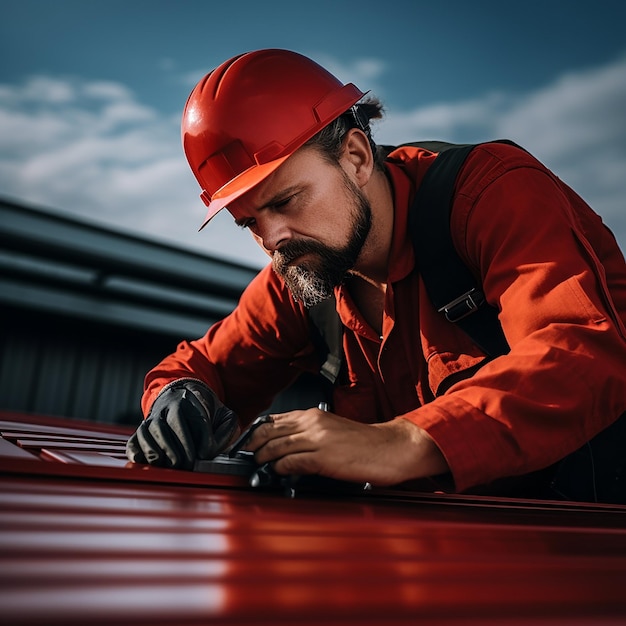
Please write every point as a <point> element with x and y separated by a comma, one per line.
<point>314,280</point>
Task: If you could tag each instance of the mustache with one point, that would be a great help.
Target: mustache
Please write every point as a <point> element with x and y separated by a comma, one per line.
<point>290,251</point>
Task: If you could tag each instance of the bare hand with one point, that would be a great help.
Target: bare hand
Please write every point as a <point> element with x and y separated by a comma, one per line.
<point>317,442</point>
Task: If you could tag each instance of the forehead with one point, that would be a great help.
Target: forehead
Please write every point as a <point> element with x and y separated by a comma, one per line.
<point>300,169</point>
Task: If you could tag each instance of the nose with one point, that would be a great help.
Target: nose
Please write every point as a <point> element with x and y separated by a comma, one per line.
<point>272,232</point>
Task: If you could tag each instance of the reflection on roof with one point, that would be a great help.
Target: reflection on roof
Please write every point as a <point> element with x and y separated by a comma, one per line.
<point>88,538</point>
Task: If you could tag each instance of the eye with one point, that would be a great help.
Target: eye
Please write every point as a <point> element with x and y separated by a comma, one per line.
<point>244,224</point>
<point>283,203</point>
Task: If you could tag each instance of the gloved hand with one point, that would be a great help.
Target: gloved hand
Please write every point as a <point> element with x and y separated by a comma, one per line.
<point>186,422</point>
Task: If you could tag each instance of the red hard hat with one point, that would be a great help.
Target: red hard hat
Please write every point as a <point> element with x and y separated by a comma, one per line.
<point>246,117</point>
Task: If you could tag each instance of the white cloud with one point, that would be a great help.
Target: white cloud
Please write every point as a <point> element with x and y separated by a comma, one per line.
<point>107,90</point>
<point>444,121</point>
<point>575,125</point>
<point>363,72</point>
<point>91,149</point>
<point>47,90</point>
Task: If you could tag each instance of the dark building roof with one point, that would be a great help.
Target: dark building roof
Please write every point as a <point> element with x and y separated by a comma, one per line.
<point>58,265</point>
<point>86,311</point>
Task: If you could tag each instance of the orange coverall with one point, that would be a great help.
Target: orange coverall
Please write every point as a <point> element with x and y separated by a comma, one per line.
<point>545,260</point>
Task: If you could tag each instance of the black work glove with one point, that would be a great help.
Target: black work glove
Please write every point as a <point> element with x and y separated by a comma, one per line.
<point>186,422</point>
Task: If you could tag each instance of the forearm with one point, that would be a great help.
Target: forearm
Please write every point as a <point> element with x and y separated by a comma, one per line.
<point>412,454</point>
<point>527,410</point>
<point>186,362</point>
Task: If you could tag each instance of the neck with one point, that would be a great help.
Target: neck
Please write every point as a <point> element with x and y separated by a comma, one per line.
<point>372,265</point>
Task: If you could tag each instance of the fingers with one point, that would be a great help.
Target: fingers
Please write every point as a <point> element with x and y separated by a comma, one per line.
<point>151,451</point>
<point>198,439</point>
<point>159,444</point>
<point>299,463</point>
<point>225,428</point>
<point>203,433</point>
<point>180,419</point>
<point>317,442</point>
<point>286,434</point>
<point>284,445</point>
<point>281,424</point>
<point>133,450</point>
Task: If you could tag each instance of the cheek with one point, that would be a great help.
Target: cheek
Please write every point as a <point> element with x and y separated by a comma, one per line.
<point>336,229</point>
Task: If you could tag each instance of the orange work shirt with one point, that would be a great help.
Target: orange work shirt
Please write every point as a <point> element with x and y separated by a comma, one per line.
<point>545,260</point>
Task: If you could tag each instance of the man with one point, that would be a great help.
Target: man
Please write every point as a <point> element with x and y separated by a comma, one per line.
<point>286,149</point>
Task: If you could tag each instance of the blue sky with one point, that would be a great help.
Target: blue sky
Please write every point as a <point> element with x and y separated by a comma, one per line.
<point>91,94</point>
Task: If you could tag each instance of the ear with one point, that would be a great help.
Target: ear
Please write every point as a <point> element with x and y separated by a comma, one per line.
<point>356,158</point>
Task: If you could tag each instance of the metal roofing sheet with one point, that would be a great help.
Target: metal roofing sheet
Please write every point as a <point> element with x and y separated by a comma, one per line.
<point>65,266</point>
<point>89,538</point>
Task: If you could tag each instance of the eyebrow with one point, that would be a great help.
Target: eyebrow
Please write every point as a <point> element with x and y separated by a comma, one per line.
<point>281,195</point>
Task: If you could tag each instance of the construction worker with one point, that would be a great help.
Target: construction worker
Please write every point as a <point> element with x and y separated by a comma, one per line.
<point>287,149</point>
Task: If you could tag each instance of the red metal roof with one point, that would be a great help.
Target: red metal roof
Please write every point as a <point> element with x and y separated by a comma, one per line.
<point>88,538</point>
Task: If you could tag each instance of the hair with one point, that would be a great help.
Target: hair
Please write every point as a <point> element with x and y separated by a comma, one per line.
<point>329,140</point>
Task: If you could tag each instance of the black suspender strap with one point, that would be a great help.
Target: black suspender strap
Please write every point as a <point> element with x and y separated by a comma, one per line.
<point>329,337</point>
<point>450,285</point>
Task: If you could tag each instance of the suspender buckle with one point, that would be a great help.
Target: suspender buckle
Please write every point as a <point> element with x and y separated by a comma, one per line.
<point>331,368</point>
<point>463,306</point>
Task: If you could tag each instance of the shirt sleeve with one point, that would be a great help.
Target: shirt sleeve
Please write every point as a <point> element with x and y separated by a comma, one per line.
<point>249,356</point>
<point>564,379</point>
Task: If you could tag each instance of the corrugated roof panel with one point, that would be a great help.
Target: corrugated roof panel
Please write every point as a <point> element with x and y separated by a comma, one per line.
<point>106,543</point>
<point>76,242</point>
<point>69,267</point>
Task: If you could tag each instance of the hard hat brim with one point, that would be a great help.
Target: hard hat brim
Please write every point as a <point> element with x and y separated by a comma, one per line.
<point>239,186</point>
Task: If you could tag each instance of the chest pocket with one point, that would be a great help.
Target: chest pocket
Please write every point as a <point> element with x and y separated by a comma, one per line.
<point>450,353</point>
